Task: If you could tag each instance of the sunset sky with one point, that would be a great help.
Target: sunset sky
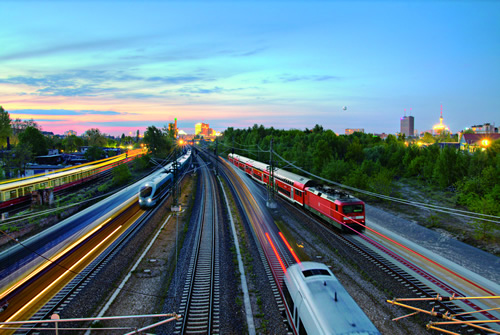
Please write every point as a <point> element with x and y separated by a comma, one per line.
<point>124,65</point>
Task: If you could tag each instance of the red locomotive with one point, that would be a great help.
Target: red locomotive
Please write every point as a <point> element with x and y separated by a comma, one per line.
<point>338,208</point>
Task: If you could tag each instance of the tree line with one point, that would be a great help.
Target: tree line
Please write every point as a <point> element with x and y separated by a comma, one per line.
<point>23,140</point>
<point>367,162</point>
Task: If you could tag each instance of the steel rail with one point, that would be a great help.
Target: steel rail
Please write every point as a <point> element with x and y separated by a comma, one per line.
<point>201,292</point>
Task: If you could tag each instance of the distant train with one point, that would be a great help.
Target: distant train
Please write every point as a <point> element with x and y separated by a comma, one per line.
<point>156,188</point>
<point>14,192</point>
<point>317,303</point>
<point>338,208</point>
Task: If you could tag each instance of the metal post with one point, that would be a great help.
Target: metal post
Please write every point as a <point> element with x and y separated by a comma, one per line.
<point>216,158</point>
<point>270,190</point>
<point>55,317</point>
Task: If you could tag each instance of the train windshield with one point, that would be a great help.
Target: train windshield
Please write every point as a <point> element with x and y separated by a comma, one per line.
<point>353,209</point>
<point>146,191</point>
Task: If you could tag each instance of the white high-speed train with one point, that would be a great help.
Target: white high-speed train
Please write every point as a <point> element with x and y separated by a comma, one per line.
<point>318,304</point>
<point>156,188</point>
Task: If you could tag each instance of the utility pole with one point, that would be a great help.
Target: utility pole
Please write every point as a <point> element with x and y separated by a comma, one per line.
<point>175,171</point>
<point>270,189</point>
<point>216,158</point>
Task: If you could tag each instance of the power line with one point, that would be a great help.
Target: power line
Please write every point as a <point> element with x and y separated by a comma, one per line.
<point>442,209</point>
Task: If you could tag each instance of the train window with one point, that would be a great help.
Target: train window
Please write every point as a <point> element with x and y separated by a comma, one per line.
<point>347,209</point>
<point>337,208</point>
<point>315,272</point>
<point>296,316</point>
<point>288,298</point>
<point>299,193</point>
<point>27,190</point>
<point>146,191</point>
<point>13,194</point>
<point>283,191</point>
<point>302,330</point>
<point>20,192</point>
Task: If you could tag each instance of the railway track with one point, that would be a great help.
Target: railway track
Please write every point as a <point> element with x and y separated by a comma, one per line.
<point>394,270</point>
<point>200,299</point>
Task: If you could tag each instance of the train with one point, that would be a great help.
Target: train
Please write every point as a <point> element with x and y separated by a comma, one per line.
<point>14,192</point>
<point>338,208</point>
<point>317,303</point>
<point>156,188</point>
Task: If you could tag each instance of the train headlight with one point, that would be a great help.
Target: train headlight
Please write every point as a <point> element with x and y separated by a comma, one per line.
<point>149,200</point>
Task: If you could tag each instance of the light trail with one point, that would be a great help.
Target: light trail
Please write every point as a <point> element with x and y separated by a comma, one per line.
<point>51,261</point>
<point>276,252</point>
<point>289,248</point>
<point>27,305</point>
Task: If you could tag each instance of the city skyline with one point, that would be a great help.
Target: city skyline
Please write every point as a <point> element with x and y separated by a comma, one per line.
<point>121,67</point>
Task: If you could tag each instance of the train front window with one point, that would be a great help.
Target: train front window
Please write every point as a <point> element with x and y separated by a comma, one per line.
<point>348,209</point>
<point>315,272</point>
<point>146,191</point>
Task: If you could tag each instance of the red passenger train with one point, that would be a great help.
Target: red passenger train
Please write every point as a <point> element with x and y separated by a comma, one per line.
<point>338,208</point>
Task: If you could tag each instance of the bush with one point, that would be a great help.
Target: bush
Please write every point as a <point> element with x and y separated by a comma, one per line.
<point>121,175</point>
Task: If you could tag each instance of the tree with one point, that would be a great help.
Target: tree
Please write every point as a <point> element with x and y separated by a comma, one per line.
<point>19,126</point>
<point>156,141</point>
<point>71,143</point>
<point>121,174</point>
<point>35,139</point>
<point>428,138</point>
<point>22,154</point>
<point>94,153</point>
<point>96,138</point>
<point>5,129</point>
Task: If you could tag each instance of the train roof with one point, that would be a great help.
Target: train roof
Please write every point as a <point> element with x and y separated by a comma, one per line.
<point>43,178</point>
<point>334,309</point>
<point>332,194</point>
<point>285,175</point>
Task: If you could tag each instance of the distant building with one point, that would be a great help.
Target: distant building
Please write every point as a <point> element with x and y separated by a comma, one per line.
<point>383,136</point>
<point>69,133</point>
<point>201,129</point>
<point>473,142</point>
<point>350,131</point>
<point>407,125</point>
<point>486,128</point>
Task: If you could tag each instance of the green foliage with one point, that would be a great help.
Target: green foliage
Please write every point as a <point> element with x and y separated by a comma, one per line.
<point>21,156</point>
<point>94,153</point>
<point>367,162</point>
<point>158,142</point>
<point>71,143</point>
<point>5,129</point>
<point>121,174</point>
<point>142,163</point>
<point>34,138</point>
<point>95,138</point>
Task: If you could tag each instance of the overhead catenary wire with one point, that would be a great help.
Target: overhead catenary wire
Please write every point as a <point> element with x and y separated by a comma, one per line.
<point>463,213</point>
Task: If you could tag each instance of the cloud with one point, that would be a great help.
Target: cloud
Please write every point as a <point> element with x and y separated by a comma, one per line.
<point>175,79</point>
<point>250,53</point>
<point>287,78</point>
<point>64,112</point>
<point>92,45</point>
<point>199,90</point>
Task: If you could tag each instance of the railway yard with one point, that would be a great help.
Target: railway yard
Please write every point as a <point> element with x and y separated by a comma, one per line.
<point>155,269</point>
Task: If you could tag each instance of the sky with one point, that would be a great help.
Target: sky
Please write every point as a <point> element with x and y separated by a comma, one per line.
<point>122,66</point>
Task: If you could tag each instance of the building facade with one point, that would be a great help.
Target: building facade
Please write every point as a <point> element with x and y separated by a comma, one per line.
<point>350,131</point>
<point>408,125</point>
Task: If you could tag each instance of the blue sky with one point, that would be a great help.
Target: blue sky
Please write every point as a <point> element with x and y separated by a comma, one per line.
<point>125,65</point>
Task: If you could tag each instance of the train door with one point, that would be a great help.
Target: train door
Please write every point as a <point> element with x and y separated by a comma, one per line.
<point>297,315</point>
